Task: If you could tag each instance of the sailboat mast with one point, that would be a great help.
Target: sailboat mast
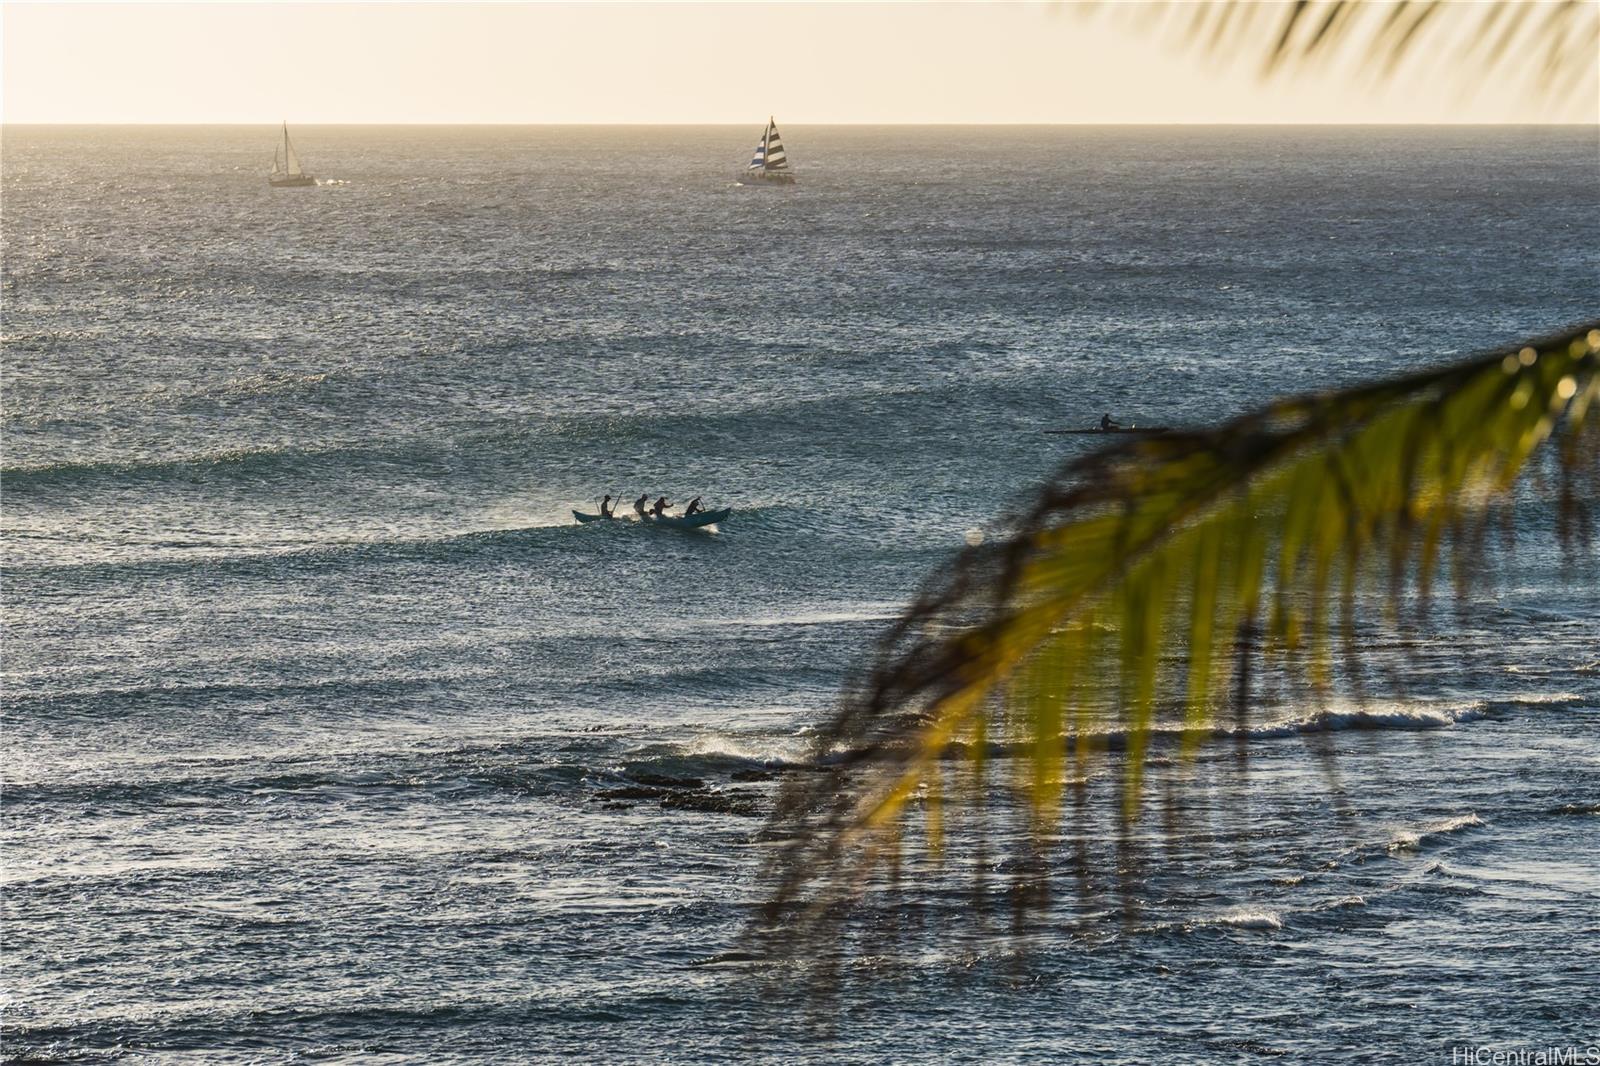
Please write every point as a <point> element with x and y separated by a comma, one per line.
<point>766,143</point>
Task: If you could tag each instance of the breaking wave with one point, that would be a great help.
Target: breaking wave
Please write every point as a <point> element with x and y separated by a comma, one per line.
<point>1416,839</point>
<point>1395,717</point>
<point>1250,918</point>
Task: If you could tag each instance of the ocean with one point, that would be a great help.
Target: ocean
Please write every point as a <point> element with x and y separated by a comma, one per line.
<point>330,736</point>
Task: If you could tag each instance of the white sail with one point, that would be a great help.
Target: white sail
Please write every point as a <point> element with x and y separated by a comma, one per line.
<point>288,153</point>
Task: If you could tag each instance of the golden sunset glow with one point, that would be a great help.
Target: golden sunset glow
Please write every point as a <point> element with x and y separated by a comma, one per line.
<point>684,63</point>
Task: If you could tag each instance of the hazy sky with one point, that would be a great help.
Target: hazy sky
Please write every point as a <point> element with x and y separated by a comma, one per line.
<point>651,63</point>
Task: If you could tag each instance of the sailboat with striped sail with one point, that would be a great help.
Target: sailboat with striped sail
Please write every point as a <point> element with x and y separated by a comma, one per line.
<point>770,165</point>
<point>286,170</point>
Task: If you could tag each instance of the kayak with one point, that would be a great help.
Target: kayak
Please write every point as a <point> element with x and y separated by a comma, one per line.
<point>1115,429</point>
<point>694,521</point>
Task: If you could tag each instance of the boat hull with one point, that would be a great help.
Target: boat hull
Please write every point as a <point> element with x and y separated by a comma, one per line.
<point>292,183</point>
<point>766,177</point>
<point>695,521</point>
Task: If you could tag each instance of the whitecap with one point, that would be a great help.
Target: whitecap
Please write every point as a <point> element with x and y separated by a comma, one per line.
<point>1342,902</point>
<point>1412,839</point>
<point>1247,918</point>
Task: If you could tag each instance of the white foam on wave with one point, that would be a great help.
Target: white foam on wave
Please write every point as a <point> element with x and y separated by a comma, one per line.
<point>1544,697</point>
<point>1388,715</point>
<point>764,750</point>
<point>1412,839</point>
<point>1245,918</point>
<point>869,612</point>
<point>1405,841</point>
<point>1342,902</point>
<point>1452,825</point>
<point>1379,715</point>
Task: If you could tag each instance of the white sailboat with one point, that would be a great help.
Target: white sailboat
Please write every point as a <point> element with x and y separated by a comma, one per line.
<point>286,172</point>
<point>770,165</point>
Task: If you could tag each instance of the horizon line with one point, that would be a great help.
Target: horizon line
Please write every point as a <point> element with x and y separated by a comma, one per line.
<point>678,125</point>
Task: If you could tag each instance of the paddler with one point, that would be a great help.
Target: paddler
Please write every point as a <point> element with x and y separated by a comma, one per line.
<point>1107,423</point>
<point>661,507</point>
<point>693,508</point>
<point>638,506</point>
<point>607,508</point>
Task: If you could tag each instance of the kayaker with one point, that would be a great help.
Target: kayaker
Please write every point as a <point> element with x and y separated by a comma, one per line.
<point>607,508</point>
<point>693,508</point>
<point>661,507</point>
<point>638,506</point>
<point>1107,423</point>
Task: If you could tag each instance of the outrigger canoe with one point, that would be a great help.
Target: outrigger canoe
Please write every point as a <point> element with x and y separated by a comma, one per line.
<point>694,521</point>
<point>1096,430</point>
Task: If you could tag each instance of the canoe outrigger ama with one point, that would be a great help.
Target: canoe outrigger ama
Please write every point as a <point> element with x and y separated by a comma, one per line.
<point>694,521</point>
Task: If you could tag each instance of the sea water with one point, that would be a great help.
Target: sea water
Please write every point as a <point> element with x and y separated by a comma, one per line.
<point>328,734</point>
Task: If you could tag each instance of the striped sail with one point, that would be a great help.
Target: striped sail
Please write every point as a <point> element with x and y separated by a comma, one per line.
<point>769,152</point>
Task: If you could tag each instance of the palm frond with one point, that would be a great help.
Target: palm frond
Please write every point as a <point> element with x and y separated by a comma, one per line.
<point>1552,46</point>
<point>1153,586</point>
